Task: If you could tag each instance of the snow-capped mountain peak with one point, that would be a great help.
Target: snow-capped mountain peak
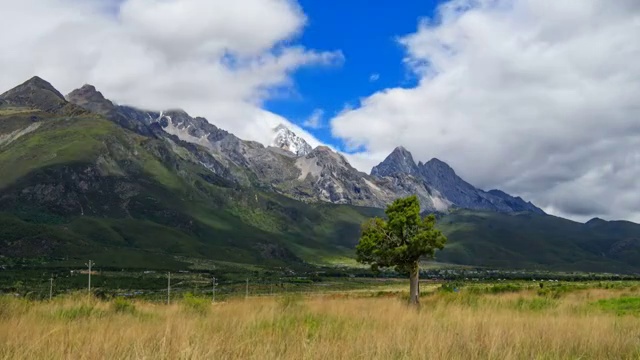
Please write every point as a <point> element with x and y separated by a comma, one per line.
<point>288,140</point>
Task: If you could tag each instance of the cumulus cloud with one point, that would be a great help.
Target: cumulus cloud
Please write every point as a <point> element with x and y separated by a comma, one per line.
<point>538,98</point>
<point>374,77</point>
<point>212,58</point>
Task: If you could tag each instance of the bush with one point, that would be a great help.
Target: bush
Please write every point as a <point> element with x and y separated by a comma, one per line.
<point>503,288</point>
<point>450,287</point>
<point>196,304</point>
<point>123,306</point>
<point>554,292</point>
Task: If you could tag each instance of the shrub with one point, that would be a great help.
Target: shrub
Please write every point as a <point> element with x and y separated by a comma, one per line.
<point>554,292</point>
<point>503,288</point>
<point>450,287</point>
<point>196,304</point>
<point>123,306</point>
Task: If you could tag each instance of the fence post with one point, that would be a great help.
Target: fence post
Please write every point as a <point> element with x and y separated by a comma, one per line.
<point>169,288</point>
<point>213,297</point>
<point>90,264</point>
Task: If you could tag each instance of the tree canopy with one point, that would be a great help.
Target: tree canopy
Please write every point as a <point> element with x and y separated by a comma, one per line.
<point>401,240</point>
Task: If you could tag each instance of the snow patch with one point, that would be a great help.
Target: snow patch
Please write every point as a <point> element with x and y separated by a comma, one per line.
<point>288,140</point>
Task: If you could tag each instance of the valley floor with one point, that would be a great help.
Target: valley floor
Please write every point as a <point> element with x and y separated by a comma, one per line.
<point>501,321</point>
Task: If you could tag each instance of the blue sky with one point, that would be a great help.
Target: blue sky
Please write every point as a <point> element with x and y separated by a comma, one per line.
<point>366,32</point>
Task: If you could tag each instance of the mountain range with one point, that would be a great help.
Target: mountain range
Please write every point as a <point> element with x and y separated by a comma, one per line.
<point>304,173</point>
<point>82,175</point>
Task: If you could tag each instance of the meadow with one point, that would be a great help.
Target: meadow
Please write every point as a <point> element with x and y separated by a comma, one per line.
<point>454,321</point>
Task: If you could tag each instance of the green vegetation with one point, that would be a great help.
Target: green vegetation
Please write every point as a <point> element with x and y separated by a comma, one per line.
<point>626,305</point>
<point>532,241</point>
<point>83,186</point>
<point>123,306</point>
<point>76,186</point>
<point>401,241</point>
<point>373,323</point>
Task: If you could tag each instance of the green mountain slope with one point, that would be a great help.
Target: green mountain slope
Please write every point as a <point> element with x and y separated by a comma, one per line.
<point>536,241</point>
<point>74,185</point>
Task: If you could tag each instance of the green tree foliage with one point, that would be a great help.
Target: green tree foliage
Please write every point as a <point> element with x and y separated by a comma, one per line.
<point>400,241</point>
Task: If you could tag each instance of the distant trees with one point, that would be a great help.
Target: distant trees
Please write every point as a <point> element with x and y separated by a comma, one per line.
<point>400,241</point>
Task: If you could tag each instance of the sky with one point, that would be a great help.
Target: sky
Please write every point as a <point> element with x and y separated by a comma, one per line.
<point>538,98</point>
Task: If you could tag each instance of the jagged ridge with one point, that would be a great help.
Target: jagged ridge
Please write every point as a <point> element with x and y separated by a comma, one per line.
<point>318,174</point>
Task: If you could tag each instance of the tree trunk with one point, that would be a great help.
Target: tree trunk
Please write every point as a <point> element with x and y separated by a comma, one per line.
<point>414,285</point>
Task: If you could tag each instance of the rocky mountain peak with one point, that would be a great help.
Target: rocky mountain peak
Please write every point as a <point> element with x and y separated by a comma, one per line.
<point>286,139</point>
<point>437,166</point>
<point>322,148</point>
<point>36,93</point>
<point>91,99</point>
<point>176,113</point>
<point>327,155</point>
<point>34,84</point>
<point>596,221</point>
<point>400,161</point>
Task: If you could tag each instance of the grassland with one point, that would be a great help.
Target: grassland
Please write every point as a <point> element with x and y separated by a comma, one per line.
<point>500,321</point>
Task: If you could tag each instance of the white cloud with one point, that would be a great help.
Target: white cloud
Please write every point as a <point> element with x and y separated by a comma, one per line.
<point>314,121</point>
<point>539,98</point>
<point>374,77</point>
<point>213,58</point>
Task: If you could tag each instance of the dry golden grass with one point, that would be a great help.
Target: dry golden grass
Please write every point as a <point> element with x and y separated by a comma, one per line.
<point>447,326</point>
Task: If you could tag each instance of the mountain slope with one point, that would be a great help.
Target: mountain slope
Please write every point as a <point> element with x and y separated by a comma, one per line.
<point>538,241</point>
<point>82,185</point>
<point>160,189</point>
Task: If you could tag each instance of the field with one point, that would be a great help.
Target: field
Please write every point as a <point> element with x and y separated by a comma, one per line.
<point>517,320</point>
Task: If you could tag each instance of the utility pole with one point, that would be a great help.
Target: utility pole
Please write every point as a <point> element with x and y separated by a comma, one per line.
<point>90,264</point>
<point>169,288</point>
<point>213,297</point>
<point>51,288</point>
<point>246,291</point>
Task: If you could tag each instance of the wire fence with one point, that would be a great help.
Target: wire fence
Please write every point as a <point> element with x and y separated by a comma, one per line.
<point>157,286</point>
<point>164,286</point>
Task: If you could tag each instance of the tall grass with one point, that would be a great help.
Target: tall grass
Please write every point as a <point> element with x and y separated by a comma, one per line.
<point>449,325</point>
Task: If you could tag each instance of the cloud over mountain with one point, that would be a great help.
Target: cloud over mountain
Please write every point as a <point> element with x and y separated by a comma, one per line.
<point>539,98</point>
<point>219,59</point>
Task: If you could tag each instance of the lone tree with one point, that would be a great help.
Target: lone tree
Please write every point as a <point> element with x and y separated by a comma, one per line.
<point>401,241</point>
